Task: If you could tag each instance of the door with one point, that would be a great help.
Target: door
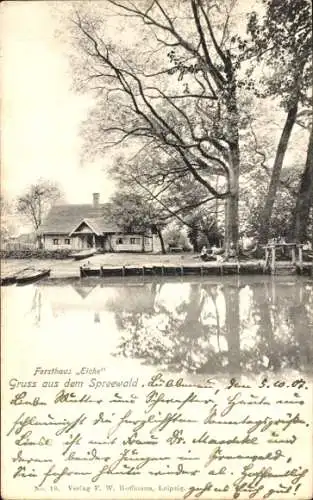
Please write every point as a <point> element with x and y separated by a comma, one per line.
<point>90,240</point>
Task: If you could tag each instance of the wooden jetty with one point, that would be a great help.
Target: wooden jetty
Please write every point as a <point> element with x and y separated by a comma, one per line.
<point>86,271</point>
<point>203,269</point>
<point>296,265</point>
<point>234,266</point>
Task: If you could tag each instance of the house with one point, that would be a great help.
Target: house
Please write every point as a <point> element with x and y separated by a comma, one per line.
<point>84,226</point>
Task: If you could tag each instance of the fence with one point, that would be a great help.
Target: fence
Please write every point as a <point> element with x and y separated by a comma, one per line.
<point>12,246</point>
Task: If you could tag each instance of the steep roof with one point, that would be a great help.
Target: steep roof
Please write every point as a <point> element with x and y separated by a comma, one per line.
<point>62,219</point>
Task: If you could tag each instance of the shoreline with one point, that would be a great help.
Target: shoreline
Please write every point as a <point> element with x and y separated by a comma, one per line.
<point>142,265</point>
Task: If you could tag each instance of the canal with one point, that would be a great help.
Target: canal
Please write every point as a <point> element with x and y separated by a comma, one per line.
<point>245,325</point>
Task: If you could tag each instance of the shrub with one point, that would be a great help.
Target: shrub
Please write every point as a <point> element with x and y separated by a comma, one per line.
<point>35,253</point>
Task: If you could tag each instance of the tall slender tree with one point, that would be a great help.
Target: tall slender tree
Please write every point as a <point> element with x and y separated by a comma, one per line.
<point>282,38</point>
<point>304,201</point>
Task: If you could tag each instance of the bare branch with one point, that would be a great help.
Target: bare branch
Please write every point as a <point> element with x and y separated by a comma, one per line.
<point>218,77</point>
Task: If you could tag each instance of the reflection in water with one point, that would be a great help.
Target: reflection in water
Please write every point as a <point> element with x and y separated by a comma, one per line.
<point>204,326</point>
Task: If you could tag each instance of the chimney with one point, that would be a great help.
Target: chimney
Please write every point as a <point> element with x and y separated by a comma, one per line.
<point>96,200</point>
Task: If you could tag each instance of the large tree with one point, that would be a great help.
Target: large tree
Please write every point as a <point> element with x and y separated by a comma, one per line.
<point>179,97</point>
<point>282,39</point>
<point>37,200</point>
<point>304,202</point>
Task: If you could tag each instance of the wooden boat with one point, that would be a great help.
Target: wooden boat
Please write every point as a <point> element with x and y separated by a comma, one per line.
<point>83,254</point>
<point>31,275</point>
<point>10,279</point>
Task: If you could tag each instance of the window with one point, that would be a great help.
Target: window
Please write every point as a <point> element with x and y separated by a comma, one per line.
<point>119,241</point>
<point>135,241</point>
<point>55,241</point>
<point>67,241</point>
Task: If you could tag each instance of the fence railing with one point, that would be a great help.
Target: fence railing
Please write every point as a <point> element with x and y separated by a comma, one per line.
<point>13,246</point>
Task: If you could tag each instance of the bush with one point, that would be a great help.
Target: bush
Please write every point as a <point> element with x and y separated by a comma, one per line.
<point>35,253</point>
<point>174,236</point>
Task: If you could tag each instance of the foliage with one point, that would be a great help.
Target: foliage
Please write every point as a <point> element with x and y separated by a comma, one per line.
<point>161,184</point>
<point>252,199</point>
<point>175,236</point>
<point>283,38</point>
<point>37,200</point>
<point>202,230</point>
<point>35,253</point>
<point>136,214</point>
<point>132,212</point>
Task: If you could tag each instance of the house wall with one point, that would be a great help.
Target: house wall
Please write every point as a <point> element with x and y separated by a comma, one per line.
<point>48,242</point>
<point>110,243</point>
<point>127,243</point>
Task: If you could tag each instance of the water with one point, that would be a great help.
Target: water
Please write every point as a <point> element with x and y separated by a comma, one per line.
<point>201,326</point>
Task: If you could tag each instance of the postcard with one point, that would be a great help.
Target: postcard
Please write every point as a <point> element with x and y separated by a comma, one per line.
<point>156,250</point>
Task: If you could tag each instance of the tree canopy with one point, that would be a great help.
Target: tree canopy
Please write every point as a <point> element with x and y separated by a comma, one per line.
<point>180,101</point>
<point>37,200</point>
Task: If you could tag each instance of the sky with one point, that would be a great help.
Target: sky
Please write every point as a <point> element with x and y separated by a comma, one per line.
<point>40,114</point>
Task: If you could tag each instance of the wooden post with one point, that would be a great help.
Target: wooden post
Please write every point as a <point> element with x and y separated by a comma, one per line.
<point>273,250</point>
<point>293,254</point>
<point>266,258</point>
<point>300,255</point>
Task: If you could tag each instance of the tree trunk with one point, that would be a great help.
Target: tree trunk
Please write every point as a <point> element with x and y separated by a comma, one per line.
<point>216,206</point>
<point>231,222</point>
<point>266,214</point>
<point>232,204</point>
<point>159,231</point>
<point>304,199</point>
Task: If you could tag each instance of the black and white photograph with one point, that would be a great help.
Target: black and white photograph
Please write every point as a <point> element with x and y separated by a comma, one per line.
<point>156,249</point>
